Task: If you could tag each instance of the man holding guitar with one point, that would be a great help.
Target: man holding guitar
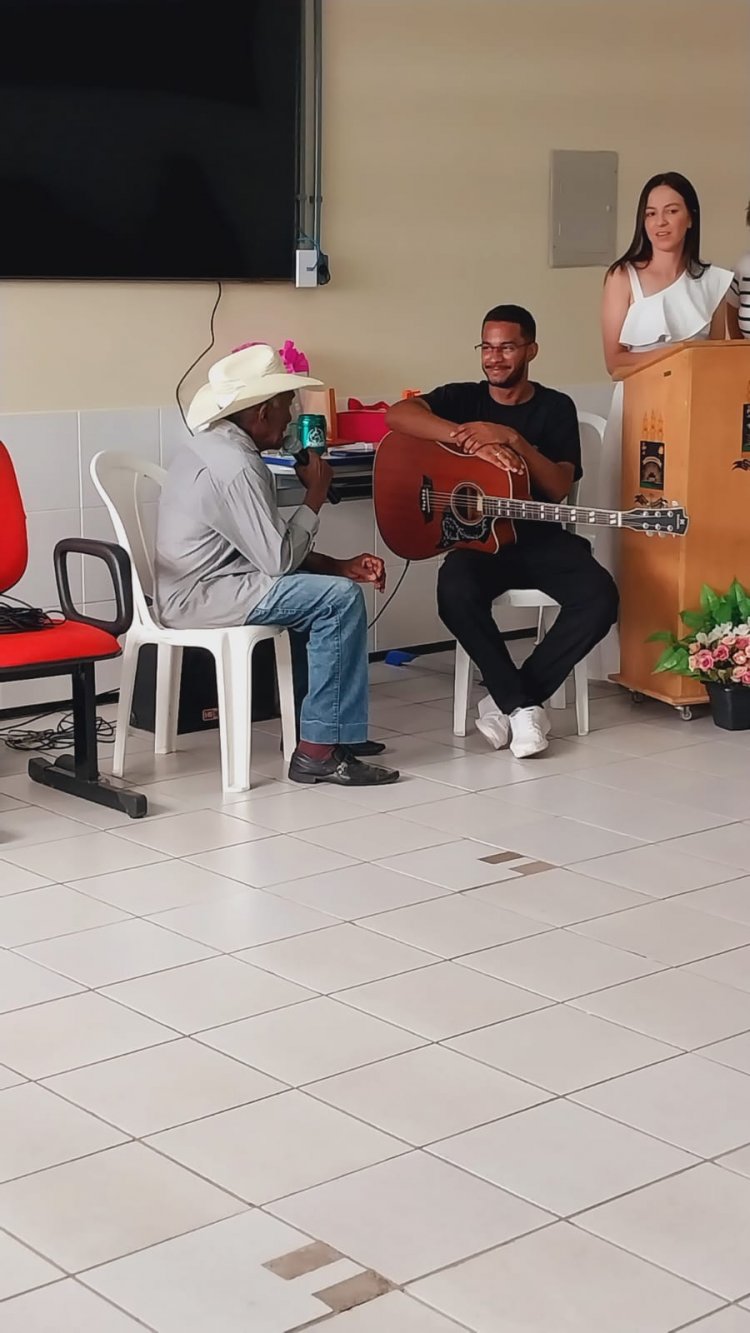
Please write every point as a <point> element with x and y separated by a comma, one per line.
<point>523,428</point>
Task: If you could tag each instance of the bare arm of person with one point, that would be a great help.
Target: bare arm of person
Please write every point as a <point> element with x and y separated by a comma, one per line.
<point>413,416</point>
<point>615,306</point>
<point>719,321</point>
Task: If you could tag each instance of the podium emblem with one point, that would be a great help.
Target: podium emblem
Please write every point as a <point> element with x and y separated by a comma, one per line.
<point>652,453</point>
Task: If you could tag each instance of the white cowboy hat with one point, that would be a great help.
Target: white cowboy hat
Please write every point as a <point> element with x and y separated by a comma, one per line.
<point>244,379</point>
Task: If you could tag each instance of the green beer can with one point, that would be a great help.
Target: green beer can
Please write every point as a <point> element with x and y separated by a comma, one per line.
<point>312,432</point>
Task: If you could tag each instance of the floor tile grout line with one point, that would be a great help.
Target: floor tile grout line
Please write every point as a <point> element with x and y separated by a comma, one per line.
<point>66,934</point>
<point>303,1089</point>
<point>248,1204</point>
<point>79,1274</point>
<point>71,1277</point>
<point>40,1080</point>
<point>546,927</point>
<point>120,1308</point>
<point>543,1225</point>
<point>158,859</point>
<point>143,1138</point>
<point>702,1319</point>
<point>576,777</point>
<point>649,899</point>
<point>341,992</point>
<point>128,1140</point>
<point>430,1143</point>
<point>554,1219</point>
<point>40,1286</point>
<point>571,1092</point>
<point>423,1043</point>
<point>574,1220</point>
<point>649,958</point>
<point>40,1255</point>
<point>712,1159</point>
<point>578,1212</point>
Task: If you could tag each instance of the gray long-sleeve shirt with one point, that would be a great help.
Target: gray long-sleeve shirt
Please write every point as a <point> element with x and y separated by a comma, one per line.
<point>221,542</point>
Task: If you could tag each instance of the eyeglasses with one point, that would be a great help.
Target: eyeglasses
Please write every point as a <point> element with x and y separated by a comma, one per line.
<point>507,349</point>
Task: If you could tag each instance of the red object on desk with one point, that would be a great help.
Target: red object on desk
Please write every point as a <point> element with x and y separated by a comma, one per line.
<point>362,422</point>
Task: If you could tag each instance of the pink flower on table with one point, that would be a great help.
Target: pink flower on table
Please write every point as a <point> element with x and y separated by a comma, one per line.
<point>740,659</point>
<point>738,674</point>
<point>746,678</point>
<point>295,361</point>
<point>742,642</point>
<point>721,652</point>
<point>704,660</point>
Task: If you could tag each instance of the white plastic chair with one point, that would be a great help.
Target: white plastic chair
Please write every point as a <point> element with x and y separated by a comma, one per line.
<point>592,434</point>
<point>119,478</point>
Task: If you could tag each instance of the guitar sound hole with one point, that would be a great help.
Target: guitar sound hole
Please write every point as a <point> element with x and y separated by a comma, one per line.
<point>466,503</point>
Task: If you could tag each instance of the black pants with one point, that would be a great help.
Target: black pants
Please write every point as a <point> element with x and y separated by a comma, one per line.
<point>559,564</point>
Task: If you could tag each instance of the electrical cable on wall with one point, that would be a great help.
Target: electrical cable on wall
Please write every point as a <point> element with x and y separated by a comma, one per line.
<point>206,350</point>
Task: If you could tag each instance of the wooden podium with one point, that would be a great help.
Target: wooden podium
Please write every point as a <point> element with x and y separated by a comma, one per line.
<point>686,438</point>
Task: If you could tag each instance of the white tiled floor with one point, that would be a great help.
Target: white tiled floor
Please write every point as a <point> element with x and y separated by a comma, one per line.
<point>486,1033</point>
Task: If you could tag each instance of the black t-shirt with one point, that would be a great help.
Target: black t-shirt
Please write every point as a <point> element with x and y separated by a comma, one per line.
<point>548,421</point>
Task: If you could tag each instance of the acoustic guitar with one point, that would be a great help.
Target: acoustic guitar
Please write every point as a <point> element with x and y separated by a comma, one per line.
<point>430,497</point>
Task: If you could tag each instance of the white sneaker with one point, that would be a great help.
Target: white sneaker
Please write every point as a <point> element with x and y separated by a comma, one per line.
<point>492,723</point>
<point>529,731</point>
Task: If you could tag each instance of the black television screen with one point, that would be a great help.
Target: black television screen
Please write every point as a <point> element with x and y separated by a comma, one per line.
<point>149,138</point>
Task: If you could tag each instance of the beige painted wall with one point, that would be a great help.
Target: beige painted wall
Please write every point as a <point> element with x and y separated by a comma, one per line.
<point>439,118</point>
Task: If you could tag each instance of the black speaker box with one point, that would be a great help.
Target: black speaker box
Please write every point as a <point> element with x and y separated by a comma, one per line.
<point>198,696</point>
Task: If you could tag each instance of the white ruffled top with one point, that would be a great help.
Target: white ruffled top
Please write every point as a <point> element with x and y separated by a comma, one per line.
<point>682,310</point>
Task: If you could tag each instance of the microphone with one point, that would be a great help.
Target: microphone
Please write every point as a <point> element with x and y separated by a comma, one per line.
<point>302,457</point>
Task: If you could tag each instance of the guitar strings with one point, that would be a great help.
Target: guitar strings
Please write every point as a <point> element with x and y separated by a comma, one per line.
<point>518,506</point>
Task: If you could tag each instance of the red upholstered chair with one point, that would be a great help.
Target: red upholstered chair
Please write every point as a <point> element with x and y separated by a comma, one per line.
<point>71,647</point>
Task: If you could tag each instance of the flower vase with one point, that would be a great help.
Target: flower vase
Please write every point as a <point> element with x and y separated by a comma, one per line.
<point>730,705</point>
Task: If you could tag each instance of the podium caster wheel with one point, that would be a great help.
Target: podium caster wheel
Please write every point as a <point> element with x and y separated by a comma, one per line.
<point>686,713</point>
<point>636,697</point>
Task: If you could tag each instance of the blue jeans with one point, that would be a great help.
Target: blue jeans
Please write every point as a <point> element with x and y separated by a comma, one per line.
<point>329,614</point>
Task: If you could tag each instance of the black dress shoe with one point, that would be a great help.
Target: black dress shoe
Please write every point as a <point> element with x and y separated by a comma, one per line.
<point>365,749</point>
<point>341,768</point>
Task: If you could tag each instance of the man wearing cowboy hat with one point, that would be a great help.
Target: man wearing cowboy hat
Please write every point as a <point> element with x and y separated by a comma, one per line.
<point>225,556</point>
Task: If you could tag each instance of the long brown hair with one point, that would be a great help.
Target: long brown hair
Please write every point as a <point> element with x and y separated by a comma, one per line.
<point>640,249</point>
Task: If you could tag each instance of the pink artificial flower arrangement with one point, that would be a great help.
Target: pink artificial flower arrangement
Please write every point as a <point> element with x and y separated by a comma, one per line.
<point>295,361</point>
<point>718,648</point>
<point>727,661</point>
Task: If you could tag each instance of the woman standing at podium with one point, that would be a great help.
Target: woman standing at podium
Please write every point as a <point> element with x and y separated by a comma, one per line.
<point>658,293</point>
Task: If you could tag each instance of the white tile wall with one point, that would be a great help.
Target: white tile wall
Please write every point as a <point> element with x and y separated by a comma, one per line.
<point>45,529</point>
<point>44,448</point>
<point>52,452</point>
<point>173,433</point>
<point>135,432</point>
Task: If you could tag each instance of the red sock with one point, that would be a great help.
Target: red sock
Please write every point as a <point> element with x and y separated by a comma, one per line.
<point>314,751</point>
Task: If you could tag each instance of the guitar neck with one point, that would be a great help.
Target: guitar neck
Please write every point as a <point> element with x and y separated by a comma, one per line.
<point>543,511</point>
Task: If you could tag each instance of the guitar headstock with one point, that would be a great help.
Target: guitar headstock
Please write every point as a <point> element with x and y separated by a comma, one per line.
<point>666,520</point>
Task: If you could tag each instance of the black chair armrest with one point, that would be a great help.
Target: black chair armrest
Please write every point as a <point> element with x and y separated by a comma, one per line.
<point>118,563</point>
